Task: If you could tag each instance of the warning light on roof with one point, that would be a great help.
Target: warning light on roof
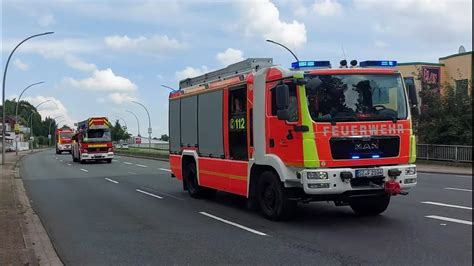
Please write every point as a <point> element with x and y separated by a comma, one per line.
<point>310,64</point>
<point>385,63</point>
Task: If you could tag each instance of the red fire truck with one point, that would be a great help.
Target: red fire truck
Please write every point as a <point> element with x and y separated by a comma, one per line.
<point>93,141</point>
<point>279,136</point>
<point>63,140</point>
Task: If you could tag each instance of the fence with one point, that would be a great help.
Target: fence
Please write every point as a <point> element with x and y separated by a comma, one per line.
<point>444,152</point>
<point>423,151</point>
<point>157,146</point>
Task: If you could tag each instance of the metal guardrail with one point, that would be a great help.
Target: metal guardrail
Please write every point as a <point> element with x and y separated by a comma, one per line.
<point>452,153</point>
<point>157,146</point>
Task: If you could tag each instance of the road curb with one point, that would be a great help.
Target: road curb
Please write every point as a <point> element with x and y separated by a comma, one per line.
<point>35,235</point>
<point>142,157</point>
<point>447,173</point>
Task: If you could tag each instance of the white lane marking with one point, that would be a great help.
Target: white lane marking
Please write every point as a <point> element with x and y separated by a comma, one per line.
<point>164,169</point>
<point>149,194</point>
<point>84,170</point>
<point>68,164</point>
<point>141,165</point>
<point>132,173</point>
<point>459,189</point>
<point>56,158</point>
<point>61,161</point>
<point>449,219</point>
<point>110,180</point>
<point>115,160</point>
<point>129,163</point>
<point>446,205</point>
<point>234,224</point>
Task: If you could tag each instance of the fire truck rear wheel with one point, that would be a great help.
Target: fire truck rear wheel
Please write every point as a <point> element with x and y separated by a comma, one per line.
<point>272,199</point>
<point>194,189</point>
<point>370,206</point>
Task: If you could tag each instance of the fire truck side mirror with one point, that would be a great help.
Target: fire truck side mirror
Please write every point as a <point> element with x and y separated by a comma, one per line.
<point>283,114</point>
<point>282,97</point>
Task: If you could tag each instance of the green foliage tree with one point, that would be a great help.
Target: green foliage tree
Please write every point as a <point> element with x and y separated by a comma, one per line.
<point>446,116</point>
<point>164,137</point>
<point>118,132</point>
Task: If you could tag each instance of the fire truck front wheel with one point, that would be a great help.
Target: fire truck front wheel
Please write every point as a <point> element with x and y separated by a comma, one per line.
<point>272,198</point>
<point>370,206</point>
<point>194,189</point>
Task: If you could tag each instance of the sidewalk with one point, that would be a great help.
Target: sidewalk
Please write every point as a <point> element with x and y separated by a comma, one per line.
<point>23,238</point>
<point>443,168</point>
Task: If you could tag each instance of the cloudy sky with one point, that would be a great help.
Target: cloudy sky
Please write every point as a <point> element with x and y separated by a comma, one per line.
<point>105,54</point>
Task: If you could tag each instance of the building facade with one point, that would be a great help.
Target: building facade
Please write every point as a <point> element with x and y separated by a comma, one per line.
<point>455,70</point>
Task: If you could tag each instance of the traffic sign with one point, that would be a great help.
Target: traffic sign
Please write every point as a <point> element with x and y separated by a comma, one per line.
<point>149,130</point>
<point>49,136</point>
<point>138,140</point>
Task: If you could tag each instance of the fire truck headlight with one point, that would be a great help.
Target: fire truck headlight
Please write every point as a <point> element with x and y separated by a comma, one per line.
<point>410,171</point>
<point>317,175</point>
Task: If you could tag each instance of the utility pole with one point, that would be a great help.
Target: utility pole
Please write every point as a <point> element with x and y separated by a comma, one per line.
<point>3,88</point>
<point>149,122</point>
<point>16,112</point>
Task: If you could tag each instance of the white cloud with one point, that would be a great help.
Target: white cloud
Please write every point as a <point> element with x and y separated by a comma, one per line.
<point>78,64</point>
<point>263,19</point>
<point>154,45</point>
<point>327,7</point>
<point>46,20</point>
<point>120,98</point>
<point>230,56</point>
<point>56,48</point>
<point>53,108</point>
<point>103,80</point>
<point>425,20</point>
<point>191,72</point>
<point>381,44</point>
<point>64,49</point>
<point>21,65</point>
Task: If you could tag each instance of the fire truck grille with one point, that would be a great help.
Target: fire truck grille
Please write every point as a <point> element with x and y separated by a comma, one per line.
<point>97,150</point>
<point>365,147</point>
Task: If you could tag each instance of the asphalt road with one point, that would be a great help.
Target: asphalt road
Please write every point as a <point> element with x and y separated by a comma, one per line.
<point>133,212</point>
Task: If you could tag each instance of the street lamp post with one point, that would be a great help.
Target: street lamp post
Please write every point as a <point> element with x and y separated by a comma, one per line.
<point>124,122</point>
<point>136,117</point>
<point>149,122</point>
<point>3,89</point>
<point>168,87</point>
<point>31,123</point>
<point>49,129</point>
<point>288,49</point>
<point>16,111</point>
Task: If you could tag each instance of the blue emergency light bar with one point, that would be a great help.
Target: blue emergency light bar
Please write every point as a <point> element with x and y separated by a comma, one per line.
<point>310,64</point>
<point>373,63</point>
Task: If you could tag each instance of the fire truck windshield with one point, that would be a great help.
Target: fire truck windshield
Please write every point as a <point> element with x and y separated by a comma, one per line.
<point>97,135</point>
<point>67,135</point>
<point>356,97</point>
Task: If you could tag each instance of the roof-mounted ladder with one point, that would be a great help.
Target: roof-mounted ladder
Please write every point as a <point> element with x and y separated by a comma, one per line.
<point>242,67</point>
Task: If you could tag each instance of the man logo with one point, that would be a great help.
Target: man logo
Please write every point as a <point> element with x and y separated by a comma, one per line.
<point>366,146</point>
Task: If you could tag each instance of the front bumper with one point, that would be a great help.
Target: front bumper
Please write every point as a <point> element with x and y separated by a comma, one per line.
<point>334,184</point>
<point>97,156</point>
<point>64,147</point>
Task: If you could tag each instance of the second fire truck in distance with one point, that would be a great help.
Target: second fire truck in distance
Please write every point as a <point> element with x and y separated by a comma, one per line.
<point>63,140</point>
<point>280,136</point>
<point>93,141</point>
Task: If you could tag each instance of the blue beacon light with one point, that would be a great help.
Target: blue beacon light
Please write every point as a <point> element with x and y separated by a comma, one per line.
<point>378,63</point>
<point>310,64</point>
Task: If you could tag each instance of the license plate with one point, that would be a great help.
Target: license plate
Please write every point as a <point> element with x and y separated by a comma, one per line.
<point>368,172</point>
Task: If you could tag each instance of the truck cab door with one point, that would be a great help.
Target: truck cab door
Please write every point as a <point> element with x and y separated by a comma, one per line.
<point>284,123</point>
